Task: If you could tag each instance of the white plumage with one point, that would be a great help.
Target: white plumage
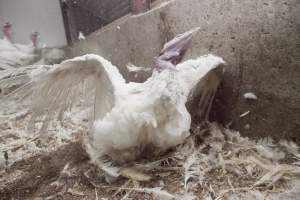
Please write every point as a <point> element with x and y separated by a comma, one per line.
<point>15,55</point>
<point>129,120</point>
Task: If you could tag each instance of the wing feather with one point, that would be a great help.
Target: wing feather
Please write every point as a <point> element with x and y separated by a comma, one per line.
<point>51,93</point>
<point>202,77</point>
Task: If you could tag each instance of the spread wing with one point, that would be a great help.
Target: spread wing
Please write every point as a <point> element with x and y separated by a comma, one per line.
<point>50,93</point>
<point>11,79</point>
<point>202,77</point>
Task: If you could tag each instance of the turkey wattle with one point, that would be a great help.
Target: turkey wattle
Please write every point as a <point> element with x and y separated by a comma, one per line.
<point>128,118</point>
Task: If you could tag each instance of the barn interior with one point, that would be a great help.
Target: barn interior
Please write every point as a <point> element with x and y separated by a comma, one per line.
<point>247,148</point>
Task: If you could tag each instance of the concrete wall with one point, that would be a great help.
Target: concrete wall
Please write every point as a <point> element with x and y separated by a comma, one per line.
<point>28,16</point>
<point>260,41</point>
<point>87,16</point>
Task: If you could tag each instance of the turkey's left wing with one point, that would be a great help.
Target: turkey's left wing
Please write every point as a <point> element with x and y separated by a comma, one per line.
<point>201,78</point>
<point>50,93</point>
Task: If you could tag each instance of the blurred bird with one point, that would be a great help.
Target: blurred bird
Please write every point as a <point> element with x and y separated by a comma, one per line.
<point>15,55</point>
<point>129,120</point>
<point>6,29</point>
<point>31,47</point>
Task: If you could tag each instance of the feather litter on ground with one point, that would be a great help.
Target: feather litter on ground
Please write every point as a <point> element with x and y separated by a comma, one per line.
<point>213,163</point>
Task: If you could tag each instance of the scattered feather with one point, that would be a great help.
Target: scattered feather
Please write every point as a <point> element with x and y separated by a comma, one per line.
<point>250,96</point>
<point>75,192</point>
<point>245,114</point>
<point>81,36</point>
<point>133,68</point>
<point>134,174</point>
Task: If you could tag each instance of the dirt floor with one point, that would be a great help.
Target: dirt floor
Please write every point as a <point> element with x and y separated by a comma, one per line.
<point>213,164</point>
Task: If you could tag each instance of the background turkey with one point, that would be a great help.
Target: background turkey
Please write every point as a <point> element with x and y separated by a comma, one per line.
<point>15,55</point>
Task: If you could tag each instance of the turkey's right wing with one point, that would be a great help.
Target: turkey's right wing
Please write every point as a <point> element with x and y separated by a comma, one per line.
<point>50,93</point>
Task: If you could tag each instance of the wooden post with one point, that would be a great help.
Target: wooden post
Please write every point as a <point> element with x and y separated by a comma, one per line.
<point>139,6</point>
<point>64,12</point>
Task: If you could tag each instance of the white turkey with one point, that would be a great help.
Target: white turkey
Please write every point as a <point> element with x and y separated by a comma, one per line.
<point>14,55</point>
<point>31,47</point>
<point>129,120</point>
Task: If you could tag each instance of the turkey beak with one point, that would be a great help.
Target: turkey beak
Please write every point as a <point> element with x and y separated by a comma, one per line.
<point>174,50</point>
